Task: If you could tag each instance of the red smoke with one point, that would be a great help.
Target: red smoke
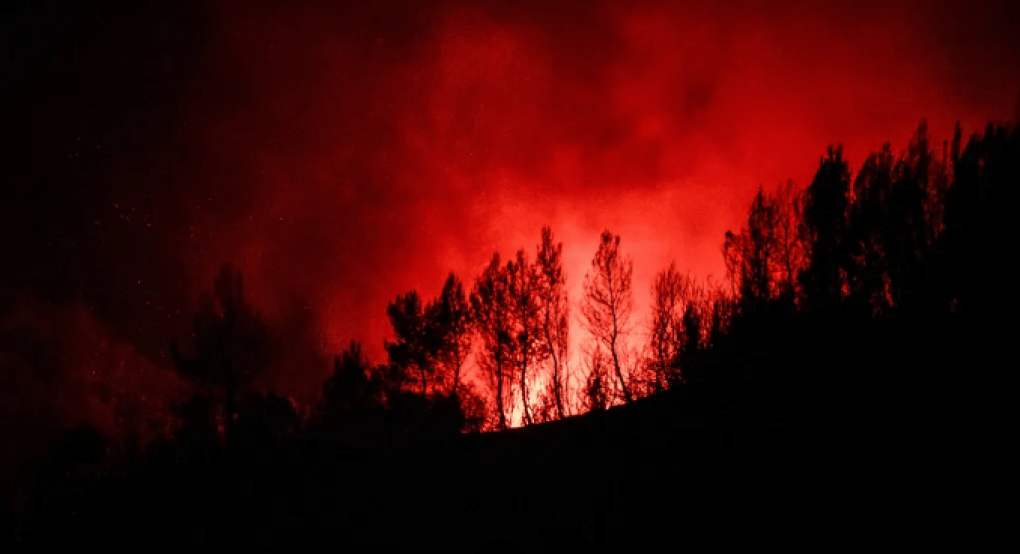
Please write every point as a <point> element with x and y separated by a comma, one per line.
<point>341,155</point>
<point>382,147</point>
<point>60,367</point>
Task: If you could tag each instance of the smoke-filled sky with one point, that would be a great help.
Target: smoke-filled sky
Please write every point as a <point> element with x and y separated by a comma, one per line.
<point>342,153</point>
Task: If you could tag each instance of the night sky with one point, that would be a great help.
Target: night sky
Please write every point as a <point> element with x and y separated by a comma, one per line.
<point>340,155</point>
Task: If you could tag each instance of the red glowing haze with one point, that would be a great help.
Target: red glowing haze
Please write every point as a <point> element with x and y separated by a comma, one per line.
<point>381,148</point>
<point>342,155</point>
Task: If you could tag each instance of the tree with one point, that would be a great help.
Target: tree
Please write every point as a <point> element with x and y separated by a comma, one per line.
<point>529,349</point>
<point>825,216</point>
<point>700,318</point>
<point>450,330</point>
<point>895,225</point>
<point>491,302</point>
<point>680,307</point>
<point>665,334</point>
<point>716,311</point>
<point>608,302</point>
<point>911,230</point>
<point>554,316</point>
<point>432,341</point>
<point>365,405</point>
<point>755,254</point>
<point>477,417</point>
<point>231,343</point>
<point>349,389</point>
<point>410,349</point>
<point>594,396</point>
<point>789,221</point>
<point>978,231</point>
<point>867,233</point>
<point>265,422</point>
<point>351,399</point>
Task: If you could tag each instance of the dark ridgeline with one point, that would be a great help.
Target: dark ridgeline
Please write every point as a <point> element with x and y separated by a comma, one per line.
<point>848,377</point>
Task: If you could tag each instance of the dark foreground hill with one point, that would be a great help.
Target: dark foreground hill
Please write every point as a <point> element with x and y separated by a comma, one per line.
<point>671,470</point>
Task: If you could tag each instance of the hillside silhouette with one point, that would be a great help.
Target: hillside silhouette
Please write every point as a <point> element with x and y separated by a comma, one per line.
<point>846,383</point>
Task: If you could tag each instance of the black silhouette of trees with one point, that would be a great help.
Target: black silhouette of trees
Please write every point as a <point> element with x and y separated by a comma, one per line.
<point>667,326</point>
<point>266,422</point>
<point>702,314</point>
<point>449,330</point>
<point>868,232</point>
<point>554,311</point>
<point>493,308</point>
<point>475,409</point>
<point>231,344</point>
<point>789,234</point>
<point>682,314</point>
<point>521,313</point>
<point>894,230</point>
<point>526,321</point>
<point>977,220</point>
<point>825,221</point>
<point>718,313</point>
<point>608,303</point>
<point>911,230</point>
<point>755,256</point>
<point>432,342</point>
<point>351,402</point>
<point>762,254</point>
<point>764,259</point>
<point>901,275</point>
<point>410,350</point>
<point>595,396</point>
<point>366,405</point>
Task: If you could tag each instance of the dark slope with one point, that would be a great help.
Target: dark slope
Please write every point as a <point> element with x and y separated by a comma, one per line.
<point>915,453</point>
<point>667,470</point>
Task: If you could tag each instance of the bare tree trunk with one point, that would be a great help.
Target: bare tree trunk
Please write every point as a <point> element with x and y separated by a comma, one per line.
<point>456,377</point>
<point>619,370</point>
<point>524,391</point>
<point>608,300</point>
<point>557,397</point>
<point>499,395</point>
